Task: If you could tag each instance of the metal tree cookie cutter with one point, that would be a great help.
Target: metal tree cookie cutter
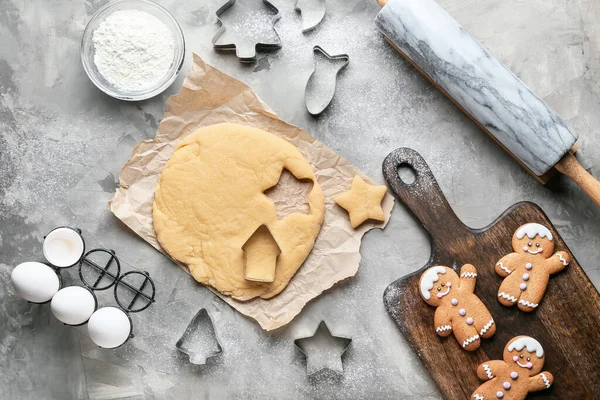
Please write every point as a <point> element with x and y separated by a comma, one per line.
<point>199,356</point>
<point>323,350</point>
<point>308,23</point>
<point>317,97</point>
<point>245,54</point>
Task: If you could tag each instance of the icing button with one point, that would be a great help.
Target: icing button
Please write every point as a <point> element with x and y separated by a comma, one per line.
<point>525,277</point>
<point>470,321</point>
<point>462,312</point>
<point>500,395</point>
<point>523,286</point>
<point>514,375</point>
<point>454,302</point>
<point>528,266</point>
<point>507,385</point>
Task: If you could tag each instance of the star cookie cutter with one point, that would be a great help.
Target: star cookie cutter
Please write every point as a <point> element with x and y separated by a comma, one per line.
<point>250,56</point>
<point>199,357</point>
<point>304,345</point>
<point>317,102</point>
<point>310,24</point>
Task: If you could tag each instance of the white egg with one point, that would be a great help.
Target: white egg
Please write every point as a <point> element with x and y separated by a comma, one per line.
<point>35,282</point>
<point>73,305</point>
<point>109,327</point>
<point>63,247</point>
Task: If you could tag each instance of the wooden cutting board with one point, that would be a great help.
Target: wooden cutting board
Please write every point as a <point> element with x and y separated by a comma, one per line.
<point>567,322</point>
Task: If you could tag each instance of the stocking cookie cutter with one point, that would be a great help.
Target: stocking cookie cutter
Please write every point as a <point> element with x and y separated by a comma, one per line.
<point>257,46</point>
<point>322,107</point>
<point>195,357</point>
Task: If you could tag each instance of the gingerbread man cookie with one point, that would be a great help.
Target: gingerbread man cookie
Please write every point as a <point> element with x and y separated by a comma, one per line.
<point>517,375</point>
<point>526,272</point>
<point>458,310</point>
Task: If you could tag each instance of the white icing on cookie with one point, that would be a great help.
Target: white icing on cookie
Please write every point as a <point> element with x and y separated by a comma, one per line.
<point>529,342</point>
<point>503,268</point>
<point>546,381</point>
<point>468,275</point>
<point>562,259</point>
<point>538,251</point>
<point>528,304</point>
<point>488,371</point>
<point>486,327</point>
<point>507,296</point>
<point>470,340</point>
<point>443,328</point>
<point>479,397</point>
<point>532,230</point>
<point>429,278</point>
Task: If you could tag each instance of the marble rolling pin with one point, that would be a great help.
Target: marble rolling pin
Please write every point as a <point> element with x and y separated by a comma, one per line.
<point>484,88</point>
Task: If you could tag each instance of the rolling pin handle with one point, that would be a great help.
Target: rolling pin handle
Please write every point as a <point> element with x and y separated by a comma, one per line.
<point>423,197</point>
<point>382,3</point>
<point>570,167</point>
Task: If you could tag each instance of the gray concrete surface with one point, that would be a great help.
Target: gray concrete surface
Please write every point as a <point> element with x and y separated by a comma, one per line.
<point>62,144</point>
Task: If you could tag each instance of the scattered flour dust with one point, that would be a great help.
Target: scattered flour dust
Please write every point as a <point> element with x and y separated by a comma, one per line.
<point>133,49</point>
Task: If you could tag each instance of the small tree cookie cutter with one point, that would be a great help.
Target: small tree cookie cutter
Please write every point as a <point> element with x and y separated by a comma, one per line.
<point>196,357</point>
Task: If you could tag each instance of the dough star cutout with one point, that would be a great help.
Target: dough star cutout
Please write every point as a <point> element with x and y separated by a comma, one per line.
<point>363,201</point>
<point>323,350</point>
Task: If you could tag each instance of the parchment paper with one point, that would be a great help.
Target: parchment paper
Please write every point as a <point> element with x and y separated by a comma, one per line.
<point>208,97</point>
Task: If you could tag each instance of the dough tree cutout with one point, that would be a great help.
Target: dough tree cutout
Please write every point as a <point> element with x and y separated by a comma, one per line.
<point>363,202</point>
<point>458,309</point>
<point>519,373</point>
<point>527,271</point>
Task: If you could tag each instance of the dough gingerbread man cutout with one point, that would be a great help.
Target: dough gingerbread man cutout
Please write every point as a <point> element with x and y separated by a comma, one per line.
<point>526,272</point>
<point>516,375</point>
<point>458,310</point>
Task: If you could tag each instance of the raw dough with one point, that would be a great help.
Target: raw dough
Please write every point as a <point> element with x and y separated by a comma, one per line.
<point>363,201</point>
<point>210,199</point>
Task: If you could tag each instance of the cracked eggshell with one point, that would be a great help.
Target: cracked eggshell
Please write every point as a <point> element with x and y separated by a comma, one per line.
<point>63,247</point>
<point>35,282</point>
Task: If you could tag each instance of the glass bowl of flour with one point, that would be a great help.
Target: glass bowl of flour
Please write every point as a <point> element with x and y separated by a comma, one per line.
<point>132,49</point>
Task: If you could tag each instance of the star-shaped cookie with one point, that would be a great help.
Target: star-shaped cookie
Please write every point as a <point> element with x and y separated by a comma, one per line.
<point>363,201</point>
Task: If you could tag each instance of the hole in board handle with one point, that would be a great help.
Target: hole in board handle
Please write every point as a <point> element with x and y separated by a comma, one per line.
<point>406,174</point>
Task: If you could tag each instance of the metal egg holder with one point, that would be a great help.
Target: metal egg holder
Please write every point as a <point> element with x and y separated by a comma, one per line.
<point>108,327</point>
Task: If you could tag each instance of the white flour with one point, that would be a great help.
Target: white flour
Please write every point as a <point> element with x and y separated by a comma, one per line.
<point>134,49</point>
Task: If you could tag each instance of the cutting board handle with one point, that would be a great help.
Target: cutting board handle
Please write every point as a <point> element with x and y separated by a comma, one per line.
<point>423,197</point>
